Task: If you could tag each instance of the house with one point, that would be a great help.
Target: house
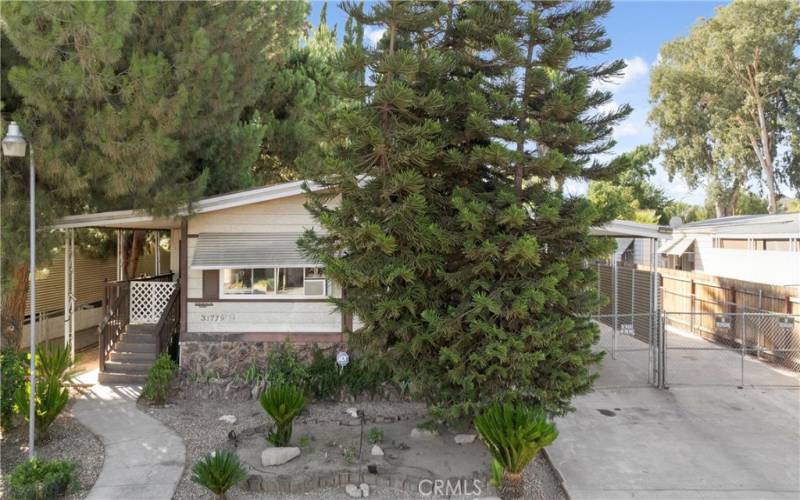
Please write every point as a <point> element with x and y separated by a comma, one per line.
<point>756,248</point>
<point>239,284</point>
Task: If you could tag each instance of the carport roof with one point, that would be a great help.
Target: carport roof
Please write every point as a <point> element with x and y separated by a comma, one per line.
<point>628,229</point>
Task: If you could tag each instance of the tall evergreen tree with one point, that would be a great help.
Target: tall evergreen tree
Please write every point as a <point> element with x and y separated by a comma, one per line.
<point>132,104</point>
<point>467,275</point>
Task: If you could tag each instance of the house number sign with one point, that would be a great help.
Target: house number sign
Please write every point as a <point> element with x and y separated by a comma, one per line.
<point>217,317</point>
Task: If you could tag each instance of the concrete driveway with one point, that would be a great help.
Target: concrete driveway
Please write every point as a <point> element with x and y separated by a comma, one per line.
<point>688,442</point>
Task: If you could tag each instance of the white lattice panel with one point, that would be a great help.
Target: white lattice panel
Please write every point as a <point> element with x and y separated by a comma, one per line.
<point>149,299</point>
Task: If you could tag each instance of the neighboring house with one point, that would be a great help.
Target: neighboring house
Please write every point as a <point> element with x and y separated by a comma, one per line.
<point>756,248</point>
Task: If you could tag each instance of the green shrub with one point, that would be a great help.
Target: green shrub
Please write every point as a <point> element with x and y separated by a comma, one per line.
<point>219,471</point>
<point>159,378</point>
<point>54,360</point>
<point>284,368</point>
<point>361,376</point>
<point>13,370</point>
<point>375,435</point>
<point>41,479</point>
<point>514,435</point>
<point>283,403</point>
<point>324,381</point>
<point>51,398</point>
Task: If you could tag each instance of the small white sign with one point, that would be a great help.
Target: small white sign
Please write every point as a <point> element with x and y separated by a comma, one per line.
<point>786,322</point>
<point>723,322</point>
<point>627,329</point>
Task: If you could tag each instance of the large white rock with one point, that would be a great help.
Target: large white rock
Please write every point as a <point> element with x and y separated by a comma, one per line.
<point>353,490</point>
<point>464,438</point>
<point>364,487</point>
<point>377,451</point>
<point>228,419</point>
<point>279,455</point>
<point>353,412</point>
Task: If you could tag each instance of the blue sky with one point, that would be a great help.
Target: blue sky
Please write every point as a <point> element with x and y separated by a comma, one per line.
<point>637,30</point>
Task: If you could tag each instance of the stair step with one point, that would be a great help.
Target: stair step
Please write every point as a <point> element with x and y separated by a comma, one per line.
<point>125,346</point>
<point>133,357</point>
<point>125,367</point>
<point>121,378</point>
<point>141,328</point>
<point>138,338</point>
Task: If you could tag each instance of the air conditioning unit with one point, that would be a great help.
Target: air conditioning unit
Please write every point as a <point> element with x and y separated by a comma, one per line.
<point>312,286</point>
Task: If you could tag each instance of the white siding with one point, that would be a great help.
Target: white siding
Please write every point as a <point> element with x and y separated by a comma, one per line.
<point>286,215</point>
<point>299,316</point>
<point>759,266</point>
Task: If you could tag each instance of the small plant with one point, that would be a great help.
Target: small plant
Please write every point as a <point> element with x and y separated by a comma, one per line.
<point>55,361</point>
<point>284,368</point>
<point>430,426</point>
<point>349,455</point>
<point>496,478</point>
<point>159,378</point>
<point>514,434</point>
<point>51,398</point>
<point>323,378</point>
<point>375,435</point>
<point>305,442</point>
<point>283,403</point>
<point>252,374</point>
<point>219,471</point>
<point>41,479</point>
<point>12,375</point>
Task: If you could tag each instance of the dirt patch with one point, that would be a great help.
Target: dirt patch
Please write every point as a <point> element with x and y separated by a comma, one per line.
<point>329,440</point>
<point>69,440</point>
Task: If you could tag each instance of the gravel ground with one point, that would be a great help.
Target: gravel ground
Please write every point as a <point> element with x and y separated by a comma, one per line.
<point>197,423</point>
<point>69,440</point>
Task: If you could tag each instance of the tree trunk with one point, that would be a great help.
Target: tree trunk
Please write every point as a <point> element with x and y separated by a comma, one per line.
<point>513,486</point>
<point>14,301</point>
<point>131,254</point>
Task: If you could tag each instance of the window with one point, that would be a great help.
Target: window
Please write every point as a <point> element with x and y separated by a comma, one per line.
<point>775,245</point>
<point>273,282</point>
<point>733,244</point>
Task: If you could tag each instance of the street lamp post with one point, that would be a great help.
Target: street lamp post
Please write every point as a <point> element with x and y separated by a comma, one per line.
<point>14,145</point>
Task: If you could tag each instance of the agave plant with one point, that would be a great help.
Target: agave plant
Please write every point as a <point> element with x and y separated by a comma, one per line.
<point>55,362</point>
<point>219,471</point>
<point>514,435</point>
<point>283,403</point>
<point>51,398</point>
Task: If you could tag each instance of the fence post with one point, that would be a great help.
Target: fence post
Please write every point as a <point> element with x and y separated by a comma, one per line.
<point>744,338</point>
<point>692,292</point>
<point>614,308</point>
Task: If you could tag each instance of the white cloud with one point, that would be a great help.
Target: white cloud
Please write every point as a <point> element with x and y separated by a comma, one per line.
<point>636,68</point>
<point>374,35</point>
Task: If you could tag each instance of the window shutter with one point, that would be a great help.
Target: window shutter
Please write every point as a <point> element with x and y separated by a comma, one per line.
<point>211,284</point>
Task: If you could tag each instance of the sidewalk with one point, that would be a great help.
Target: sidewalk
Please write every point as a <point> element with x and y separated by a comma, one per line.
<point>143,458</point>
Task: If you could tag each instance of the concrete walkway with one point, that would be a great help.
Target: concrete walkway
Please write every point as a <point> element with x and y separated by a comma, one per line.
<point>692,441</point>
<point>143,458</point>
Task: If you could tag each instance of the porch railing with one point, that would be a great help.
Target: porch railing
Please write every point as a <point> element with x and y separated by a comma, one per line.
<point>116,313</point>
<point>169,324</point>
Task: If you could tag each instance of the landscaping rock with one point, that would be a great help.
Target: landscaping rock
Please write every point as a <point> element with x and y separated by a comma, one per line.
<point>228,419</point>
<point>464,438</point>
<point>353,490</point>
<point>353,412</point>
<point>364,487</point>
<point>377,451</point>
<point>417,433</point>
<point>279,455</point>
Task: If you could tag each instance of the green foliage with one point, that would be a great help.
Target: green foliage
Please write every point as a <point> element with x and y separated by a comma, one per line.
<point>461,256</point>
<point>323,378</point>
<point>496,478</point>
<point>218,472</point>
<point>283,403</point>
<point>159,378</point>
<point>51,398</point>
<point>375,435</point>
<point>514,434</point>
<point>54,361</point>
<point>13,370</point>
<point>284,367</point>
<point>41,479</point>
<point>725,100</point>
<point>363,376</point>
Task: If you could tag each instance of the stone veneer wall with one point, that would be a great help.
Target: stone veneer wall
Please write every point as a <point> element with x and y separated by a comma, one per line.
<point>226,358</point>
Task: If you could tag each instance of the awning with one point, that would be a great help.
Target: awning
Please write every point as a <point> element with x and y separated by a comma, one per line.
<point>248,250</point>
<point>680,247</point>
<point>676,247</point>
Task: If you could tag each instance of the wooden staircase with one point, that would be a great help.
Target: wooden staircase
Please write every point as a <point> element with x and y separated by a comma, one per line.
<point>132,356</point>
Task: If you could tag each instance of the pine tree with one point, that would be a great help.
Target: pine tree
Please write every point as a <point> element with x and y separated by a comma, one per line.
<point>143,105</point>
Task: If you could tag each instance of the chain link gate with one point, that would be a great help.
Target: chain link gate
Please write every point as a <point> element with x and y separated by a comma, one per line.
<point>646,345</point>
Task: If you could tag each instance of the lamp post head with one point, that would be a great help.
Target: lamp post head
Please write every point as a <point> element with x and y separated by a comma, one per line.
<point>14,142</point>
